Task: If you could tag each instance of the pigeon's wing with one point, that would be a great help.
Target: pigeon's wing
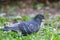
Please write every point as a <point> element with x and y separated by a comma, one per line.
<point>33,26</point>
<point>29,27</point>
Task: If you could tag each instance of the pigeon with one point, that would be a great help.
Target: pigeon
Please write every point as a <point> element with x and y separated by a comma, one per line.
<point>26,27</point>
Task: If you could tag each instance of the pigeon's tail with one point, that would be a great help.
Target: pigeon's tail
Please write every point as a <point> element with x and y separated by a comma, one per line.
<point>10,29</point>
<point>7,28</point>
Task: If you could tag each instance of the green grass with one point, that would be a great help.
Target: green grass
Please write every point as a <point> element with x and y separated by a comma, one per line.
<point>48,31</point>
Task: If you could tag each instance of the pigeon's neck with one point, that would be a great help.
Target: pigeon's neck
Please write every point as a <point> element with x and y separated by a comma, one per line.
<point>38,20</point>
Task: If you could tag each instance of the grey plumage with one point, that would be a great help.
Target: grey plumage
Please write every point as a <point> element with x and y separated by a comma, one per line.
<point>28,27</point>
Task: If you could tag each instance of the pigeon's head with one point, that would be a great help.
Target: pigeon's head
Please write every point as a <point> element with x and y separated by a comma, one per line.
<point>39,17</point>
